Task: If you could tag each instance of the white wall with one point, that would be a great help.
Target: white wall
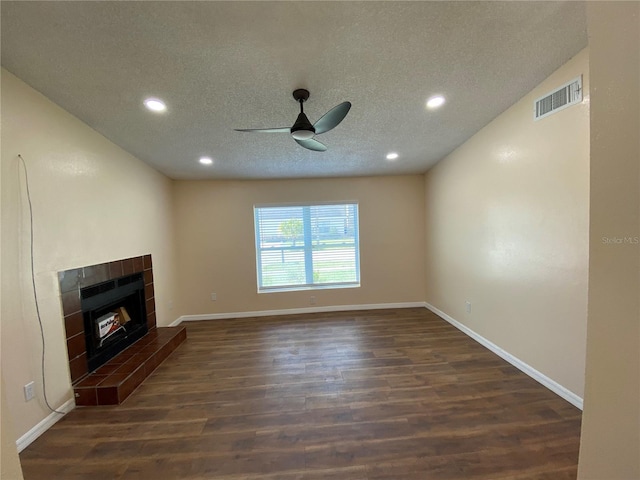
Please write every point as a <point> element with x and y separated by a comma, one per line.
<point>92,203</point>
<point>507,222</point>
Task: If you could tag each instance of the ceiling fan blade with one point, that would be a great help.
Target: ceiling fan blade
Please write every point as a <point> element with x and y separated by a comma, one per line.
<point>312,144</point>
<point>332,118</point>
<point>265,130</point>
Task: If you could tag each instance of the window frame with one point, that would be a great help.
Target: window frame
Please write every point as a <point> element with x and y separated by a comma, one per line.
<point>308,250</point>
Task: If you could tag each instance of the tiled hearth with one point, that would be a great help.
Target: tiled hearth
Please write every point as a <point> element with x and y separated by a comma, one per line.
<point>113,382</point>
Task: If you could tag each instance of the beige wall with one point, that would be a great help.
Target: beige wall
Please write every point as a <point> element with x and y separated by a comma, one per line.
<point>92,203</point>
<point>10,468</point>
<point>610,447</point>
<point>9,462</point>
<point>507,230</point>
<point>216,246</point>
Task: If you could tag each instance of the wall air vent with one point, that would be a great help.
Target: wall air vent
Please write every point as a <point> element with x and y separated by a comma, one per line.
<point>563,97</point>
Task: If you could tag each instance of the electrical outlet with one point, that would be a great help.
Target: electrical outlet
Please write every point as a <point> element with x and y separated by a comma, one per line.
<point>312,300</point>
<point>468,306</point>
<point>214,297</point>
<point>29,391</point>
<point>170,304</point>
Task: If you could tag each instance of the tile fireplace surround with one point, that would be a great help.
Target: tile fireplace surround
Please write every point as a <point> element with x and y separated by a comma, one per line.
<point>114,381</point>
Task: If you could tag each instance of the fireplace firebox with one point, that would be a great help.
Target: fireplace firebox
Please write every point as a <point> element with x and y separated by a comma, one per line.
<point>114,315</point>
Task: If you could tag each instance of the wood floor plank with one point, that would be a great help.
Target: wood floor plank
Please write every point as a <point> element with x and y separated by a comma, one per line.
<point>394,394</point>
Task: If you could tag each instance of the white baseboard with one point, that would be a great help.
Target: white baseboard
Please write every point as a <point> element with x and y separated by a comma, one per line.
<point>552,385</point>
<point>28,438</point>
<point>176,322</point>
<point>293,311</point>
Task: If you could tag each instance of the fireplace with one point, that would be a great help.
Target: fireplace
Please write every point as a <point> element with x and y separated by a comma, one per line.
<point>73,282</point>
<point>114,317</point>
<point>113,342</point>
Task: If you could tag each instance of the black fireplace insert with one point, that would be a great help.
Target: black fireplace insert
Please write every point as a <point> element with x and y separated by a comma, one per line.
<point>114,317</point>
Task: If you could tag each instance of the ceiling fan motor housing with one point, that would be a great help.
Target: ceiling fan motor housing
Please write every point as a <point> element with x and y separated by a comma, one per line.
<point>302,129</point>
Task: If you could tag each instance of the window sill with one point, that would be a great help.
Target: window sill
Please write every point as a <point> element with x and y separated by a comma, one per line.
<point>303,288</point>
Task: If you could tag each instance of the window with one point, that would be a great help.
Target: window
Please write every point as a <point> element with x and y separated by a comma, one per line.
<point>307,246</point>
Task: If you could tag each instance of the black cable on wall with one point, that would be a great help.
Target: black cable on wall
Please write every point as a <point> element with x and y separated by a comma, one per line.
<point>33,283</point>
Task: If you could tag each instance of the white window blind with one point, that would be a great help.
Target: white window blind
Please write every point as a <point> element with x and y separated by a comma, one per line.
<point>307,246</point>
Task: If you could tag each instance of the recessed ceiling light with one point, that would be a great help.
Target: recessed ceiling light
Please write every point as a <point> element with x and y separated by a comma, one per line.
<point>206,160</point>
<point>435,101</point>
<point>392,156</point>
<point>155,105</point>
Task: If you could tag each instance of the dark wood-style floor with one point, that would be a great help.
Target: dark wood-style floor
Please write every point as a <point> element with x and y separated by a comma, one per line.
<point>387,394</point>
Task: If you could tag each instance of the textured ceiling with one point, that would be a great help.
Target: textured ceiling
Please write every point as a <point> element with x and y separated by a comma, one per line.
<point>226,65</point>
